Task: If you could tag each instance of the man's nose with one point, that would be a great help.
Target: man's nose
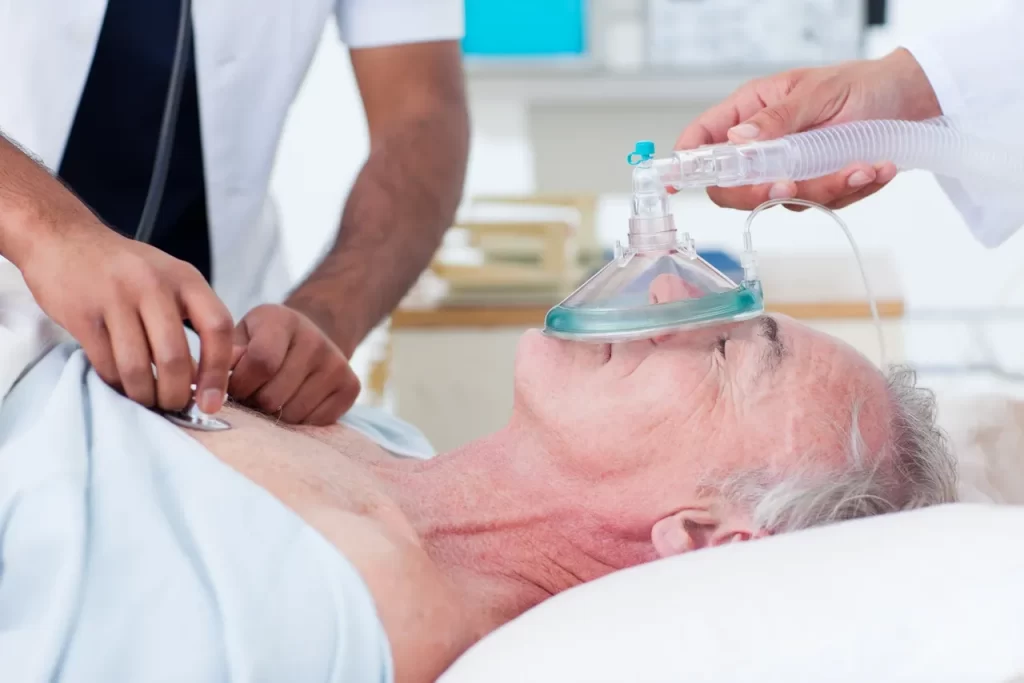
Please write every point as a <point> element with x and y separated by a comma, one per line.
<point>668,287</point>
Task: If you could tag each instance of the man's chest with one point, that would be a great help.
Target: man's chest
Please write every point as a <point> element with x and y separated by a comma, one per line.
<point>322,476</point>
<point>305,471</point>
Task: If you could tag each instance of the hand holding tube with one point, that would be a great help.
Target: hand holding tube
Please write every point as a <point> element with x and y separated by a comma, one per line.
<point>894,87</point>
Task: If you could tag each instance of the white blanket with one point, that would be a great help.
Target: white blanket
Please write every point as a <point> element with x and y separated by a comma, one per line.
<point>129,553</point>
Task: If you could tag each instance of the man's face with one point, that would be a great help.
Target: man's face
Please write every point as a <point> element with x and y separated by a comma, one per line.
<point>764,393</point>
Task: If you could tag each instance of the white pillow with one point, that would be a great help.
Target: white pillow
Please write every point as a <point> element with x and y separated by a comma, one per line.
<point>926,597</point>
<point>986,431</point>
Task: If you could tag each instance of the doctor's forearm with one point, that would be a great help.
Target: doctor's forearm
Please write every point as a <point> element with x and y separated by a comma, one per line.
<point>403,201</point>
<point>33,204</point>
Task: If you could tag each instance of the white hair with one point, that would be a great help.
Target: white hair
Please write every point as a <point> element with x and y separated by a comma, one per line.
<point>915,468</point>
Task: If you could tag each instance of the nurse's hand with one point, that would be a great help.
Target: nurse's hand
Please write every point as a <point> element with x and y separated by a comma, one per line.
<point>894,87</point>
<point>124,302</point>
<point>290,369</point>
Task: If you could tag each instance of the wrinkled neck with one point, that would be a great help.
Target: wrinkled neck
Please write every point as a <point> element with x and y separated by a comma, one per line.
<point>506,526</point>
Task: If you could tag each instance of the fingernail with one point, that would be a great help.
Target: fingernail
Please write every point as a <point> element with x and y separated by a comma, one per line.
<point>780,191</point>
<point>745,131</point>
<point>859,179</point>
<point>211,400</point>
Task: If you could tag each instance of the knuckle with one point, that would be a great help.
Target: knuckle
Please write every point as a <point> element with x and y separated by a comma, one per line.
<point>137,274</point>
<point>343,375</point>
<point>260,314</point>
<point>176,361</point>
<point>220,324</point>
<point>268,402</point>
<point>265,309</point>
<point>136,374</point>
<point>295,411</point>
<point>96,323</point>
<point>320,351</point>
<point>327,417</point>
<point>779,115</point>
<point>110,378</point>
<point>138,395</point>
<point>187,272</point>
<point>106,372</point>
<point>261,360</point>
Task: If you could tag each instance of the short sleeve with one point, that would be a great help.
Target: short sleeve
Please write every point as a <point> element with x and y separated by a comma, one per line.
<point>377,23</point>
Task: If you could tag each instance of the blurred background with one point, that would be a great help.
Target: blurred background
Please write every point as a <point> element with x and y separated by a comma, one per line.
<point>559,92</point>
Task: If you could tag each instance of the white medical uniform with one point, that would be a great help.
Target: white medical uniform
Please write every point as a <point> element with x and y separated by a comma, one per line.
<point>250,59</point>
<point>977,71</point>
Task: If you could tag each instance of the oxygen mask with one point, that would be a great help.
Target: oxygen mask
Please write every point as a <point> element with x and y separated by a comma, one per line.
<point>657,283</point>
<point>626,300</point>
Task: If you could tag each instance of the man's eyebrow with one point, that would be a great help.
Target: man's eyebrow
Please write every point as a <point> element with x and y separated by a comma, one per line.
<point>775,350</point>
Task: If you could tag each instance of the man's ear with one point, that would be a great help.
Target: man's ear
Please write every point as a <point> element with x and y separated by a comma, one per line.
<point>696,528</point>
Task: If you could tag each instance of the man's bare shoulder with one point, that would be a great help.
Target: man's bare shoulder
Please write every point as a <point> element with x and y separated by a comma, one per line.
<point>421,611</point>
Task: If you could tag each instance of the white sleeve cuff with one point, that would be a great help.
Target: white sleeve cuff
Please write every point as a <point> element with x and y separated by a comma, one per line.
<point>378,23</point>
<point>974,67</point>
<point>947,91</point>
<point>975,63</point>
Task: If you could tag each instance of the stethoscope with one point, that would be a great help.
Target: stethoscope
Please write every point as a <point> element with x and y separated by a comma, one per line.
<point>190,417</point>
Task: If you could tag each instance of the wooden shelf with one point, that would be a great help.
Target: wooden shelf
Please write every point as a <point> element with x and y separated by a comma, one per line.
<point>533,316</point>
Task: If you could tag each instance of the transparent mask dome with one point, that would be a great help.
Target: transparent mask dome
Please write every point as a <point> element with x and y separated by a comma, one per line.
<point>648,293</point>
<point>655,286</point>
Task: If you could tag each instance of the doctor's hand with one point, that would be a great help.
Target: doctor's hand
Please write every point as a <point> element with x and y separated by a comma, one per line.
<point>894,87</point>
<point>290,369</point>
<point>124,302</point>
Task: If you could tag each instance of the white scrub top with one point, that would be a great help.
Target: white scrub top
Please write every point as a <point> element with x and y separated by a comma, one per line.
<point>976,68</point>
<point>250,60</point>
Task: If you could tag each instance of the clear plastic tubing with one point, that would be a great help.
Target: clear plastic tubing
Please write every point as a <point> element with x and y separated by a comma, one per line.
<point>935,145</point>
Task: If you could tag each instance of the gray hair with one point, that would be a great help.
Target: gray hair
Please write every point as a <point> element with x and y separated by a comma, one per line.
<point>914,469</point>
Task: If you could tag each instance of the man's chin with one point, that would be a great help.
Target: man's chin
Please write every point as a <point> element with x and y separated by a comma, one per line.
<point>537,350</point>
<point>539,357</point>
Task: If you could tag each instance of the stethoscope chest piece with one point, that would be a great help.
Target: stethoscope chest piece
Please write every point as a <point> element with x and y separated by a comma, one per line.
<point>193,418</point>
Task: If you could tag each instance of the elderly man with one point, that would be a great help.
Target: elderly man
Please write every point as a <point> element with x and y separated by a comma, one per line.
<point>134,550</point>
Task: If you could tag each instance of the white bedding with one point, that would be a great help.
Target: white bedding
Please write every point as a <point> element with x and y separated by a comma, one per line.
<point>129,553</point>
<point>987,434</point>
<point>931,596</point>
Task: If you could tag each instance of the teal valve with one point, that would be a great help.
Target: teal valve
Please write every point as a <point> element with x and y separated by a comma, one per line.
<point>642,151</point>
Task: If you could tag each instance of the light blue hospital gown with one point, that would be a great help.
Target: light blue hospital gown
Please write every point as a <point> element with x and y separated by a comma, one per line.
<point>128,553</point>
